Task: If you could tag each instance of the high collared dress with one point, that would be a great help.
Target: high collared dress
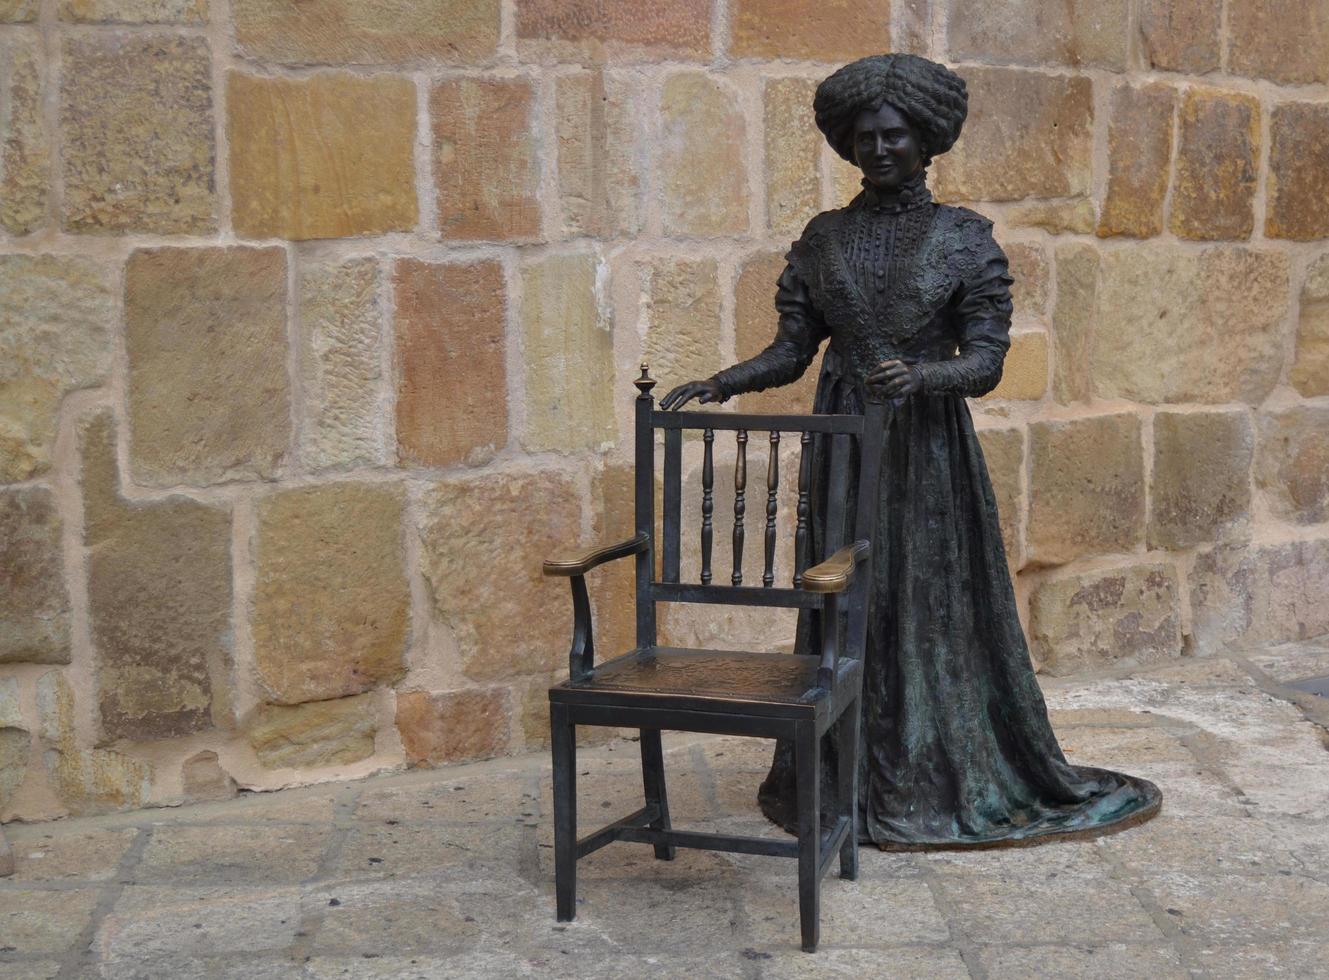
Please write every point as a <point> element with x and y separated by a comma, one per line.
<point>956,745</point>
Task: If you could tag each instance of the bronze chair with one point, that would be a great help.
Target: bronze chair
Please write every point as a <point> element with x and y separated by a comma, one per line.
<point>733,692</point>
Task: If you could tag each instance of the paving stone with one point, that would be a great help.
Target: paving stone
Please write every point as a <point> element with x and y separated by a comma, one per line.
<point>703,180</point>
<point>936,963</point>
<point>1085,962</point>
<point>451,351</point>
<point>1239,909</point>
<point>55,337</point>
<point>193,12</point>
<point>850,911</point>
<point>152,922</point>
<point>599,179</point>
<point>836,31</point>
<point>453,726</point>
<point>568,348</point>
<point>45,855</point>
<point>230,855</point>
<point>331,604</point>
<point>1261,960</point>
<point>1201,477</point>
<point>1080,33</point>
<point>25,153</point>
<point>34,602</point>
<point>467,795</point>
<point>45,921</point>
<point>1292,463</point>
<point>564,30</point>
<point>507,617</point>
<point>755,325</point>
<point>1180,35</point>
<point>1174,845</point>
<point>1296,53</point>
<point>406,916</point>
<point>308,162</point>
<point>1260,594</point>
<point>30,970</point>
<point>356,32</point>
<point>1111,747</point>
<point>793,149</point>
<point>1310,367</point>
<point>312,805</point>
<point>486,171</point>
<point>206,339</point>
<point>159,591</point>
<point>382,850</point>
<point>1087,488</point>
<point>1217,168</point>
<point>1032,140</point>
<point>1139,159</point>
<point>630,913</point>
<point>320,733</point>
<point>341,374</point>
<point>137,140</point>
<point>1298,157</point>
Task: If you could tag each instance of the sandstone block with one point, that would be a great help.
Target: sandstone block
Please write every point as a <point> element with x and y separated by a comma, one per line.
<point>1298,205</point>
<point>831,31</point>
<point>1033,139</point>
<point>1284,42</point>
<point>34,603</point>
<point>25,144</point>
<point>11,711</point>
<point>15,750</point>
<point>1292,465</point>
<point>1173,325</point>
<point>1060,216</point>
<point>87,781</point>
<point>755,323</point>
<point>702,173</point>
<point>159,592</point>
<point>1036,32</point>
<point>1139,157</point>
<point>613,587</point>
<point>137,136</point>
<point>1024,375</point>
<point>1030,269</point>
<point>568,345</point>
<point>367,32</point>
<point>55,337</point>
<point>341,374</point>
<point>331,601</point>
<point>1073,318</point>
<point>18,11</point>
<point>1310,368</point>
<point>203,778</point>
<point>452,393</point>
<point>1003,452</point>
<point>1218,160</point>
<point>320,733</point>
<point>594,30</point>
<point>1180,35</point>
<point>485,165</point>
<point>206,337</point>
<point>1201,482</point>
<point>457,726</point>
<point>793,149</point>
<point>599,180</point>
<point>1105,619</point>
<point>1245,595</point>
<point>1086,488</point>
<point>682,299</point>
<point>135,11</point>
<point>483,541</point>
<point>307,160</point>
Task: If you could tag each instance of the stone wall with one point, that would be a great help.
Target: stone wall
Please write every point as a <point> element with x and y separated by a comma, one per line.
<point>319,321</point>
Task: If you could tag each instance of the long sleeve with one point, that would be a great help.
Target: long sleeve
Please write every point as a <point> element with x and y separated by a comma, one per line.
<point>983,317</point>
<point>800,332</point>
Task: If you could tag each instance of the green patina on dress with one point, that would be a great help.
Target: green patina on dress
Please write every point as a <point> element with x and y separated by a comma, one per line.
<point>957,749</point>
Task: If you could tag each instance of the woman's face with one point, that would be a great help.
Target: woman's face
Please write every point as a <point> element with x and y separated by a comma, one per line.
<point>886,147</point>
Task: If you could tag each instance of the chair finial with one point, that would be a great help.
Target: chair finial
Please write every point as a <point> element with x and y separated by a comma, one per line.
<point>645,383</point>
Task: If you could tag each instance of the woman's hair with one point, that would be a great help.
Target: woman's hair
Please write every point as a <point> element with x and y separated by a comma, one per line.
<point>930,95</point>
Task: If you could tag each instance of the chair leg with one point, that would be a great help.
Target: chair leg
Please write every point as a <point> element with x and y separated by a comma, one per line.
<point>653,780</point>
<point>807,775</point>
<point>846,752</point>
<point>563,738</point>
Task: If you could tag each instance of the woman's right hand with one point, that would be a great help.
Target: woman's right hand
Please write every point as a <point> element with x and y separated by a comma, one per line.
<point>704,391</point>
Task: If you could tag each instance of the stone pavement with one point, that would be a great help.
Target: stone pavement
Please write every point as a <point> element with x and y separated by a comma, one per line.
<point>448,873</point>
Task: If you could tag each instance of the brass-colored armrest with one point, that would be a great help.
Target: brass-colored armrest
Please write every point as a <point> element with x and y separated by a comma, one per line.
<point>834,573</point>
<point>584,561</point>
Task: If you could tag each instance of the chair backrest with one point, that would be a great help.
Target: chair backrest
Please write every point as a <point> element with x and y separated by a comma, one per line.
<point>841,431</point>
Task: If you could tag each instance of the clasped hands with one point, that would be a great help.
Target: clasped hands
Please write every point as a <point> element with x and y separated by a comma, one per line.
<point>895,378</point>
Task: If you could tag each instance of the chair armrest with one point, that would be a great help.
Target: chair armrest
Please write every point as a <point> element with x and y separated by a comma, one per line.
<point>835,573</point>
<point>582,562</point>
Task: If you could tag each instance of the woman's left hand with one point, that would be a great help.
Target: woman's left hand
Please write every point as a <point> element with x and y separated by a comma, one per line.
<point>896,378</point>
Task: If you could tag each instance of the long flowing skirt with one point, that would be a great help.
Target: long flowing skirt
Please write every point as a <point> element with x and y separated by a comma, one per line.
<point>956,747</point>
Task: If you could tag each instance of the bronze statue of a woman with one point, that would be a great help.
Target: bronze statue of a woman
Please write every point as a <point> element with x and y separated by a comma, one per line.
<point>915,298</point>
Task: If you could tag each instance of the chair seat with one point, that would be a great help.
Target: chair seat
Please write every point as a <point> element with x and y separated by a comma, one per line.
<point>662,674</point>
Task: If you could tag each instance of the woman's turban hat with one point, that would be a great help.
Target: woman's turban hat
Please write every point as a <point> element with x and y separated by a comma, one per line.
<point>929,94</point>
